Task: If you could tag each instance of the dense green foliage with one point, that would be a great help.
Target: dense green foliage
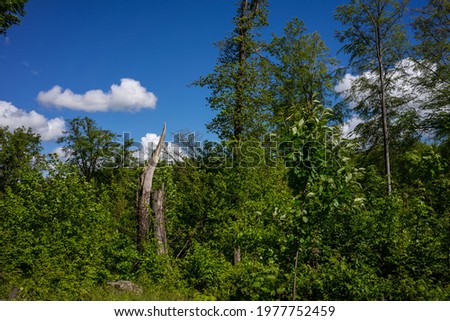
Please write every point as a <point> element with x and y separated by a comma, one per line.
<point>304,208</point>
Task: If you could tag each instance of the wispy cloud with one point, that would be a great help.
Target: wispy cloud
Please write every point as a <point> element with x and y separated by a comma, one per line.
<point>129,96</point>
<point>13,117</point>
<point>29,67</point>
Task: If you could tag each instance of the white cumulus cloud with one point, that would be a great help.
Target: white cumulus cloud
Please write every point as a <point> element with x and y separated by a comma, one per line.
<point>402,85</point>
<point>60,153</point>
<point>345,83</point>
<point>149,142</point>
<point>129,96</point>
<point>170,152</point>
<point>13,117</point>
<point>349,127</point>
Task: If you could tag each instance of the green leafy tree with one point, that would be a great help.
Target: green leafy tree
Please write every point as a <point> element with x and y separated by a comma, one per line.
<point>376,42</point>
<point>88,146</point>
<point>301,70</point>
<point>326,188</point>
<point>10,13</point>
<point>19,153</point>
<point>239,91</point>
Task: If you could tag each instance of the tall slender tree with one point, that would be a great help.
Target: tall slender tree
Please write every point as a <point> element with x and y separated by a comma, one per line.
<point>237,83</point>
<point>376,41</point>
<point>239,93</point>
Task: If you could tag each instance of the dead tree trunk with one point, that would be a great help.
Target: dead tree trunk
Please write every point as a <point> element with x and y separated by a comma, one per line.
<point>143,206</point>
<point>157,202</point>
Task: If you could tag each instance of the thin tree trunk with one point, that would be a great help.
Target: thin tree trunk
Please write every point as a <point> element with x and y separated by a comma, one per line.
<point>294,286</point>
<point>387,162</point>
<point>238,103</point>
<point>145,194</point>
<point>157,202</point>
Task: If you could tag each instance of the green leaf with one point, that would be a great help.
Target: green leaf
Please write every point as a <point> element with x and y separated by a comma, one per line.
<point>335,203</point>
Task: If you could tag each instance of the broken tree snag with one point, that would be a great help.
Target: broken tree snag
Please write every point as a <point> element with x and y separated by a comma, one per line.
<point>157,202</point>
<point>143,207</point>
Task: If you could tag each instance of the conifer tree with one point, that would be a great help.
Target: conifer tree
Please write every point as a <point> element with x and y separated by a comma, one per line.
<point>237,83</point>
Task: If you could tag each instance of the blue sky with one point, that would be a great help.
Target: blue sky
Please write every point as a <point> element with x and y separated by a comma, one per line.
<point>158,47</point>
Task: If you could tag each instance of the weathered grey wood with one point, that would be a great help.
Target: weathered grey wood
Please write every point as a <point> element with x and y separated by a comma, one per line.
<point>145,193</point>
<point>126,286</point>
<point>14,293</point>
<point>237,255</point>
<point>157,203</point>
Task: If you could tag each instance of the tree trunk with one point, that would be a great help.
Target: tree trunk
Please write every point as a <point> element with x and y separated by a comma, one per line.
<point>143,205</point>
<point>239,101</point>
<point>381,75</point>
<point>157,202</point>
<point>247,11</point>
<point>294,286</point>
<point>242,57</point>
